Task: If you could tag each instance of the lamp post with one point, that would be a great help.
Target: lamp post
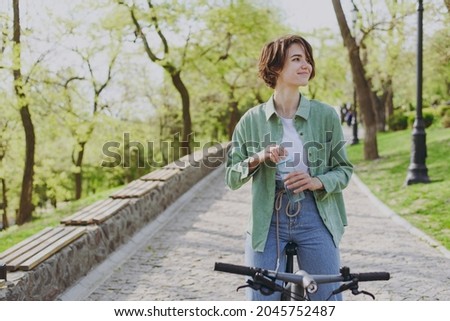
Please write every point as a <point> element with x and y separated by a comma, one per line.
<point>355,139</point>
<point>417,170</point>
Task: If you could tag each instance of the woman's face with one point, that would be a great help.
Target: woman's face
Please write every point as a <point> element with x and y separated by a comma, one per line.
<point>296,70</point>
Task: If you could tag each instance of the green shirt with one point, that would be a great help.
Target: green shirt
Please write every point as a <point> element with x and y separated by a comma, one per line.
<point>320,130</point>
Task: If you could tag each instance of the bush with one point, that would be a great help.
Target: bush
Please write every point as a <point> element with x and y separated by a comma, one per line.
<point>427,114</point>
<point>443,110</point>
<point>443,113</point>
<point>446,119</point>
<point>398,121</point>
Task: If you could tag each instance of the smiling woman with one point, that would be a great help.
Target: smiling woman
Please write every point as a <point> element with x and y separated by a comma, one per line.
<point>290,126</point>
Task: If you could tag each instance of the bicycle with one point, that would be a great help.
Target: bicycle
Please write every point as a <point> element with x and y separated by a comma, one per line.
<point>297,286</point>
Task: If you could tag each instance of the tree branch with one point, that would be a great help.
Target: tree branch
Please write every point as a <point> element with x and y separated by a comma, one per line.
<point>140,34</point>
<point>157,28</point>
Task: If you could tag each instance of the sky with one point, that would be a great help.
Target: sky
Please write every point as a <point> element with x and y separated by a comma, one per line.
<point>307,15</point>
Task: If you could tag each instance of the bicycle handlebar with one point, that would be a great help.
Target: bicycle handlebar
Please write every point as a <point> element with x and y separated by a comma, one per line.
<point>372,276</point>
<point>237,269</point>
<point>290,277</point>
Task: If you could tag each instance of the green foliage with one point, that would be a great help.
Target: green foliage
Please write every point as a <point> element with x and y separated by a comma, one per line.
<point>443,110</point>
<point>398,121</point>
<point>424,205</point>
<point>436,78</point>
<point>446,120</point>
<point>226,64</point>
<point>428,117</point>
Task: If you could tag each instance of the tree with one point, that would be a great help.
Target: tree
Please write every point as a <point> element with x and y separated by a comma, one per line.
<point>26,205</point>
<point>149,18</point>
<point>381,30</point>
<point>5,131</point>
<point>331,83</point>
<point>97,88</point>
<point>361,84</point>
<point>437,67</point>
<point>227,52</point>
<point>76,89</point>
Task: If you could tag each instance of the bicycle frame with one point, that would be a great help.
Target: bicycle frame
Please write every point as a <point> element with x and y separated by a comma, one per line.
<point>295,291</point>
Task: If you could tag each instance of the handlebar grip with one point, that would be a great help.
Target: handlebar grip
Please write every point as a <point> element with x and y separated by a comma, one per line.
<point>373,276</point>
<point>235,269</point>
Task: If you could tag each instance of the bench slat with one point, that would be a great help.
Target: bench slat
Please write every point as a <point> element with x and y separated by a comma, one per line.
<point>96,214</point>
<point>78,215</point>
<point>69,235</point>
<point>30,247</point>
<point>20,245</point>
<point>33,248</point>
<point>101,217</point>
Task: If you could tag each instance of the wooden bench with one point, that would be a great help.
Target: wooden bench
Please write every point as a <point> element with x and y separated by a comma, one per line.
<point>96,213</point>
<point>34,250</point>
<point>102,210</point>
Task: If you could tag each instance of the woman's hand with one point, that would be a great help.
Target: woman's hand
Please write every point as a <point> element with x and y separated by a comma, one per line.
<point>300,181</point>
<point>274,153</point>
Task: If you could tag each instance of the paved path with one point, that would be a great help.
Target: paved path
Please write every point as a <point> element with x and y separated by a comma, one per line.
<point>173,258</point>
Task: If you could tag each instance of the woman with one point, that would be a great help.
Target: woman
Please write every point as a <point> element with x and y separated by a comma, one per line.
<point>309,134</point>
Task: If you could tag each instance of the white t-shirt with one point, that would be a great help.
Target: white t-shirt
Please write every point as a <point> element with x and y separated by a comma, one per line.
<point>293,144</point>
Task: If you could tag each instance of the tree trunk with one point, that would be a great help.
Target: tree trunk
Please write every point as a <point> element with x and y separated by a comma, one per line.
<point>78,162</point>
<point>389,101</point>
<point>4,207</point>
<point>25,206</point>
<point>234,113</point>
<point>380,115</point>
<point>187,123</point>
<point>361,84</point>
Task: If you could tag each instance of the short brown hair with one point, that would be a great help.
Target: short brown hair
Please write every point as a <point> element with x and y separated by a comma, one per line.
<point>274,53</point>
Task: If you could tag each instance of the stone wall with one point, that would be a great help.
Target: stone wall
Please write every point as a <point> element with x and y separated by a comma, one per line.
<point>60,271</point>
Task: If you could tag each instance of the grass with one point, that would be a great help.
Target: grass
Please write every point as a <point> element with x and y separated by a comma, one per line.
<point>49,218</point>
<point>426,206</point>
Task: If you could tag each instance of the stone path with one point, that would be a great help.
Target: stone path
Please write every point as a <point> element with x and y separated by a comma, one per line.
<point>173,257</point>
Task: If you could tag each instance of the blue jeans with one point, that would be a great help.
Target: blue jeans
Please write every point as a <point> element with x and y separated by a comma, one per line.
<point>316,253</point>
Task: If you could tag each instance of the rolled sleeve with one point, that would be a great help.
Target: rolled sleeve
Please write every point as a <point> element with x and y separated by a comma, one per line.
<point>238,168</point>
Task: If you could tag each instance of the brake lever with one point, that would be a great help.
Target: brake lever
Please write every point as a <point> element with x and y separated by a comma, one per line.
<point>353,286</point>
<point>346,286</point>
<point>355,291</point>
<point>262,284</point>
<point>250,284</point>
